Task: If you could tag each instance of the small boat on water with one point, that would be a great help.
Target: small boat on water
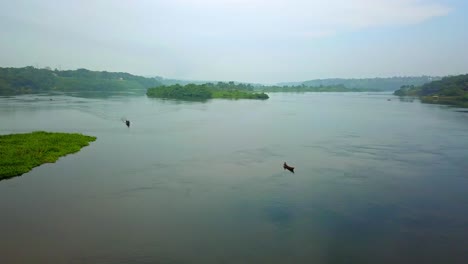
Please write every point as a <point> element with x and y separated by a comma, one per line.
<point>287,167</point>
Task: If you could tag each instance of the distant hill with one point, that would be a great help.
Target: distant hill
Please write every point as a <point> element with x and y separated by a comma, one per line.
<point>380,84</point>
<point>448,90</point>
<point>303,89</point>
<point>34,80</point>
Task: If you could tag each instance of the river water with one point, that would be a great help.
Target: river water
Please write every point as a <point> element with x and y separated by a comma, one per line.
<point>376,181</point>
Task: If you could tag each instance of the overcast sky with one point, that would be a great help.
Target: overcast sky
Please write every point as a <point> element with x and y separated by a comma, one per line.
<point>264,41</point>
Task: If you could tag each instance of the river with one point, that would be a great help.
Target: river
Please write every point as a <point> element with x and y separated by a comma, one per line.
<point>376,181</point>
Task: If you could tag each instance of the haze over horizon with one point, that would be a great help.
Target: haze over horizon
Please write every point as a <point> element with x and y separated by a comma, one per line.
<point>255,41</point>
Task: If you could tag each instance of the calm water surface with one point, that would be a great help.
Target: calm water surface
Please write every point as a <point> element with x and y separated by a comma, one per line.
<point>376,181</point>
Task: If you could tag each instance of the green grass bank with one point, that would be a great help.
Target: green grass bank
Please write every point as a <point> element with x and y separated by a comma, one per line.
<point>20,153</point>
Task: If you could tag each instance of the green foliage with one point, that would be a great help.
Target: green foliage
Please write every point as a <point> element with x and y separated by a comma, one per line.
<point>238,94</point>
<point>206,91</point>
<point>190,91</point>
<point>465,97</point>
<point>407,90</point>
<point>25,80</point>
<point>32,80</point>
<point>450,86</point>
<point>449,90</point>
<point>19,153</point>
<point>369,84</point>
<point>68,84</point>
<point>109,79</point>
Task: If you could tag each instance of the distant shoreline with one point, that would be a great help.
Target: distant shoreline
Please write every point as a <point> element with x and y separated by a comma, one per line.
<point>32,80</point>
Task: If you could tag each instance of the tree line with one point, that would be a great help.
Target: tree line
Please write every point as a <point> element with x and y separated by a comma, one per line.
<point>229,90</point>
<point>449,90</point>
<point>33,80</point>
<point>379,84</point>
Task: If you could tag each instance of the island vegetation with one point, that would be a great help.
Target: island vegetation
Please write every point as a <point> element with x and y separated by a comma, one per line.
<point>20,153</point>
<point>451,90</point>
<point>28,80</point>
<point>206,91</point>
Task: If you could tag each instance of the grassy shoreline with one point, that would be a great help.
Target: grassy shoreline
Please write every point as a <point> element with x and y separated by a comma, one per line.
<point>20,153</point>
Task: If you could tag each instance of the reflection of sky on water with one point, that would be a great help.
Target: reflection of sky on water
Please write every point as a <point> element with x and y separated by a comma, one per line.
<point>203,182</point>
<point>280,215</point>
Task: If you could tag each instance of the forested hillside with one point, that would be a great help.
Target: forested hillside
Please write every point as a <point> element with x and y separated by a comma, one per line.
<point>448,90</point>
<point>33,80</point>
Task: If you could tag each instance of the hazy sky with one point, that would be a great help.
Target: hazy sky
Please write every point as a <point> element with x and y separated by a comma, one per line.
<point>244,40</point>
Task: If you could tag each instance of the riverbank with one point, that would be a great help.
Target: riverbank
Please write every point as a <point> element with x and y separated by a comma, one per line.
<point>20,153</point>
<point>451,90</point>
<point>445,100</point>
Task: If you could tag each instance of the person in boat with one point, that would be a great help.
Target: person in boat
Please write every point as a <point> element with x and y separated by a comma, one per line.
<point>287,167</point>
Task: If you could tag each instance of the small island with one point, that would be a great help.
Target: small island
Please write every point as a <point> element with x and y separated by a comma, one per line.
<point>451,90</point>
<point>206,91</point>
<point>20,153</point>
